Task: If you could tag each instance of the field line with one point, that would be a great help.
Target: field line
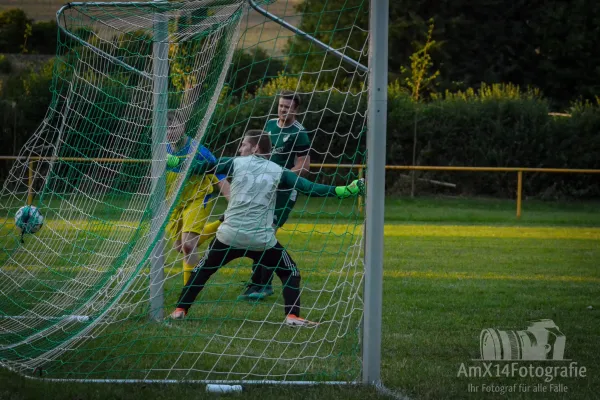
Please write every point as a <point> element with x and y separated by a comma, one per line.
<point>231,271</point>
<point>489,276</point>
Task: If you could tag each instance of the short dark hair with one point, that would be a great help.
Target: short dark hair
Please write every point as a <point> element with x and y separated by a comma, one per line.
<point>260,138</point>
<point>289,95</point>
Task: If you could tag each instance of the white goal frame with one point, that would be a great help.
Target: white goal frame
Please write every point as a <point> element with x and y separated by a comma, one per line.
<point>375,177</point>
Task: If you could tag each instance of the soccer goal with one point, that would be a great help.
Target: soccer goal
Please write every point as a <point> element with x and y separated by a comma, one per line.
<point>88,296</point>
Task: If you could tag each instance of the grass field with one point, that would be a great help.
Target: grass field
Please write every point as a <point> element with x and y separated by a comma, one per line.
<point>453,267</point>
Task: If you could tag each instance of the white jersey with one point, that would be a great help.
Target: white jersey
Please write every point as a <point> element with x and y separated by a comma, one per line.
<point>249,217</point>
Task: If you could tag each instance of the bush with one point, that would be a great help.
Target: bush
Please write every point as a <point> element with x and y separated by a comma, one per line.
<point>13,27</point>
<point>44,38</point>
<point>496,126</point>
<point>5,65</point>
<point>251,69</point>
<point>328,115</point>
<point>30,94</point>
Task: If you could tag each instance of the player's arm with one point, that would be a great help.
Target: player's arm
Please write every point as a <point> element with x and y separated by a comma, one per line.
<point>290,180</point>
<point>206,155</point>
<point>224,188</point>
<point>302,152</point>
<point>221,166</point>
<point>302,165</point>
<point>203,166</point>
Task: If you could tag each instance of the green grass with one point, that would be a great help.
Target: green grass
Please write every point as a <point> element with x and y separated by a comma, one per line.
<point>453,211</point>
<point>452,268</point>
<point>491,211</point>
<point>421,210</point>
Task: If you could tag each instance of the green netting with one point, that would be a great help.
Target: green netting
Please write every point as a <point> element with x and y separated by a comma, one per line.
<point>74,297</point>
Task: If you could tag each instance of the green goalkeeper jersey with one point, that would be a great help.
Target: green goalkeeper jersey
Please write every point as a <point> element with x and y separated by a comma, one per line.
<point>288,142</point>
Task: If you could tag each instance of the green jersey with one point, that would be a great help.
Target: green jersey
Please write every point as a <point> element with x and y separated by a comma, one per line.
<point>288,142</point>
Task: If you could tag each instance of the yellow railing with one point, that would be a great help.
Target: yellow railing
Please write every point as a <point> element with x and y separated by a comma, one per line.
<point>519,172</point>
<point>32,160</point>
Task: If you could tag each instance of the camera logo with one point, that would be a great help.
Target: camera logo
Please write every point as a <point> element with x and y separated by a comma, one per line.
<point>542,340</point>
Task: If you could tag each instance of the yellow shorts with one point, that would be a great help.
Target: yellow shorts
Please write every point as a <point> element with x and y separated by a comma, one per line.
<point>188,217</point>
<point>191,214</point>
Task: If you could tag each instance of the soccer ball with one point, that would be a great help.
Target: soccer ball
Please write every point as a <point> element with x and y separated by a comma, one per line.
<point>29,219</point>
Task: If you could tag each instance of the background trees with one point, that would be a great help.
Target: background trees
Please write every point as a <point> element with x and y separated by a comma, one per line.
<point>549,45</point>
<point>503,66</point>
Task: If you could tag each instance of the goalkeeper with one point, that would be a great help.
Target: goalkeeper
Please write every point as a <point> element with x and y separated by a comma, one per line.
<point>187,223</point>
<point>247,230</point>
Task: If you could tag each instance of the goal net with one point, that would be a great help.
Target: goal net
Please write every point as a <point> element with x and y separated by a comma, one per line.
<point>88,296</point>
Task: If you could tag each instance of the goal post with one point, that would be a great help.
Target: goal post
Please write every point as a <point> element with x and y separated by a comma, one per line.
<point>374,223</point>
<point>87,297</point>
<point>160,76</point>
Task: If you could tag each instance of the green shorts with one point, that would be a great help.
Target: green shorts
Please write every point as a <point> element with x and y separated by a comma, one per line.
<point>284,202</point>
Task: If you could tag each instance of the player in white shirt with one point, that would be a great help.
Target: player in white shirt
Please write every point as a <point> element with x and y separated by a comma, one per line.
<point>248,227</point>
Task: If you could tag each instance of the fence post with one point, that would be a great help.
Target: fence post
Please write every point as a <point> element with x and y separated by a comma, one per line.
<point>30,165</point>
<point>519,191</point>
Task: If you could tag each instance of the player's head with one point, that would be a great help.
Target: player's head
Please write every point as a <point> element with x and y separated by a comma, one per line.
<point>255,142</point>
<point>289,103</point>
<point>175,127</point>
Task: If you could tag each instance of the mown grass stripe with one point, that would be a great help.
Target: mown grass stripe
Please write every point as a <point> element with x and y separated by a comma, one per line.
<point>455,231</point>
<point>489,276</point>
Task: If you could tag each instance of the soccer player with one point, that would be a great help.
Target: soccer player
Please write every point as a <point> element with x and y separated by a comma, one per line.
<point>187,223</point>
<point>291,150</point>
<point>248,230</point>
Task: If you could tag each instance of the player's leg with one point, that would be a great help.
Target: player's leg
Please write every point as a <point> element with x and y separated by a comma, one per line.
<point>253,288</point>
<point>194,217</point>
<point>278,260</point>
<point>218,254</point>
<point>173,228</point>
<point>191,257</point>
<point>284,203</point>
<point>210,229</point>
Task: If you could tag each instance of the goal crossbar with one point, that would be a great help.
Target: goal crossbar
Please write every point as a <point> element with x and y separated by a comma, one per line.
<point>96,50</point>
<point>305,35</point>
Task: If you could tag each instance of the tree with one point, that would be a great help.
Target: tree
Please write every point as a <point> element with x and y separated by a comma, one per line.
<point>24,100</point>
<point>333,23</point>
<point>13,28</point>
<point>44,37</point>
<point>550,45</point>
<point>251,69</point>
<point>566,61</point>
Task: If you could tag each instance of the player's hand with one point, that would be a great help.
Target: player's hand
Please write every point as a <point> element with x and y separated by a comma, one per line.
<point>172,161</point>
<point>357,187</point>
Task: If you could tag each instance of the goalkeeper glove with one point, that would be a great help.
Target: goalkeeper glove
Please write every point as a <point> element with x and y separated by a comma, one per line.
<point>172,161</point>
<point>355,188</point>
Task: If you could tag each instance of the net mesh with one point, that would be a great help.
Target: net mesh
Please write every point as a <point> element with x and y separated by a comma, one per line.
<point>75,298</point>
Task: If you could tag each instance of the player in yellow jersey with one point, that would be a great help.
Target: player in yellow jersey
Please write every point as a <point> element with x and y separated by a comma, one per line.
<point>187,224</point>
